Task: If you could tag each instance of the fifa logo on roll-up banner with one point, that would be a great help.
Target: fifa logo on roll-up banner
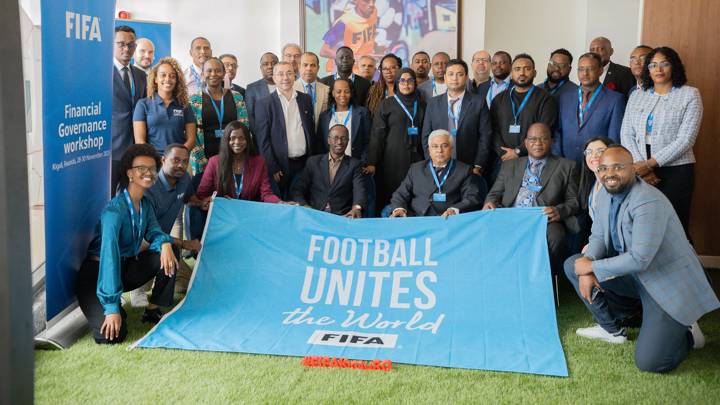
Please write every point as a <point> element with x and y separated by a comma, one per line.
<point>85,27</point>
<point>354,339</point>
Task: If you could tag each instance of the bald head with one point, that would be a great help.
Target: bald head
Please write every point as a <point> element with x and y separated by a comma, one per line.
<point>144,53</point>
<point>602,47</point>
<point>481,66</point>
<point>616,170</point>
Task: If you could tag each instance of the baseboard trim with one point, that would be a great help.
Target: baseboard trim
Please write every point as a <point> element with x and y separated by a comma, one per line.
<point>712,262</point>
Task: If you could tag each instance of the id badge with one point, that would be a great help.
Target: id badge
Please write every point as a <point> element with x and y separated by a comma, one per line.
<point>178,113</point>
<point>439,197</point>
<point>218,133</point>
<point>514,129</point>
<point>453,132</point>
<point>412,131</point>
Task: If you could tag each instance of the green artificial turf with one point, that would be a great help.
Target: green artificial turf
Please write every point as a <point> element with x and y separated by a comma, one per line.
<point>599,373</point>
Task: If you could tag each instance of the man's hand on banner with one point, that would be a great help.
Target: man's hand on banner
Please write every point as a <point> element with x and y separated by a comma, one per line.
<point>354,213</point>
<point>552,214</point>
<point>450,211</point>
<point>489,206</point>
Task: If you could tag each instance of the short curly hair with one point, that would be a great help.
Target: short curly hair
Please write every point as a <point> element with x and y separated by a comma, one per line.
<point>180,91</point>
<point>678,69</point>
<point>126,163</point>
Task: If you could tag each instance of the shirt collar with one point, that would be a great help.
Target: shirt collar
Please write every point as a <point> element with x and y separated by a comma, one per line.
<point>458,98</point>
<point>294,95</point>
<point>330,158</point>
<point>159,100</point>
<point>506,81</point>
<point>542,161</point>
<point>119,66</point>
<point>352,76</point>
<point>163,180</point>
<point>304,84</point>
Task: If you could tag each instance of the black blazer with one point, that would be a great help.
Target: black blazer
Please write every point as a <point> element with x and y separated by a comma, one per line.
<point>559,182</point>
<point>347,189</point>
<point>271,133</point>
<point>481,90</point>
<point>360,84</point>
<point>621,78</point>
<point>239,89</point>
<point>122,110</point>
<point>416,190</point>
<point>254,92</point>
<point>360,125</point>
<point>474,135</point>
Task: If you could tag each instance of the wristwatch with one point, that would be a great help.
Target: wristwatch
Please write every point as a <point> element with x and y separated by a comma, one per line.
<point>517,151</point>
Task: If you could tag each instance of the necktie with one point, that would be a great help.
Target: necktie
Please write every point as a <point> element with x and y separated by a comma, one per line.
<point>126,79</point>
<point>535,168</point>
<point>309,91</point>
<point>451,124</point>
<point>586,97</point>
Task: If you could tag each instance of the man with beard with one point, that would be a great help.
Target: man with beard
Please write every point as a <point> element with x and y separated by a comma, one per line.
<point>540,180</point>
<point>344,61</point>
<point>558,74</point>
<point>436,86</point>
<point>637,64</point>
<point>513,111</point>
<point>638,256</point>
<point>589,111</point>
<point>421,65</point>
<point>614,77</point>
<point>501,76</point>
<point>480,82</point>
<point>200,51</point>
<point>261,88</point>
<point>144,55</point>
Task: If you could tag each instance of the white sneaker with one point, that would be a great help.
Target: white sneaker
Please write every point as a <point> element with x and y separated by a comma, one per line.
<point>698,337</point>
<point>597,332</point>
<point>138,298</point>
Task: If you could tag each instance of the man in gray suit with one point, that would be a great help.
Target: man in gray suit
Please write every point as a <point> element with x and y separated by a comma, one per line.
<point>638,253</point>
<point>540,179</point>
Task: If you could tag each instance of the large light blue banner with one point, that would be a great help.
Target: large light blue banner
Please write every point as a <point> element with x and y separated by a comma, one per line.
<point>473,291</point>
<point>77,63</point>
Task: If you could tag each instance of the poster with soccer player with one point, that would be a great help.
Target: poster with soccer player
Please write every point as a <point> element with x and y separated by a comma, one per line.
<point>377,27</point>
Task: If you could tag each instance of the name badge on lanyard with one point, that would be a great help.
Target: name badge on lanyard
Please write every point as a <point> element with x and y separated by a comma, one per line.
<point>515,127</point>
<point>238,185</point>
<point>220,111</point>
<point>412,130</point>
<point>440,196</point>
<point>136,227</point>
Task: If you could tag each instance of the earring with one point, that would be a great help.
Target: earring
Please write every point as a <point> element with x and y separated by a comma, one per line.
<point>131,179</point>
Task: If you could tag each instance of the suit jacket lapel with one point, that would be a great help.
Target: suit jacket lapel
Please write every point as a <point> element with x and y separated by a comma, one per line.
<point>593,107</point>
<point>465,107</point>
<point>517,177</point>
<point>325,171</point>
<point>355,127</point>
<point>118,82</point>
<point>548,170</point>
<point>341,172</point>
<point>275,97</point>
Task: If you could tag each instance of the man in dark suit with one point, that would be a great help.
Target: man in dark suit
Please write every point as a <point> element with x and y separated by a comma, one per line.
<point>285,129</point>
<point>590,111</point>
<point>334,182</point>
<point>539,180</point>
<point>614,77</point>
<point>344,62</point>
<point>440,185</point>
<point>468,120</point>
<point>129,86</point>
<point>261,88</point>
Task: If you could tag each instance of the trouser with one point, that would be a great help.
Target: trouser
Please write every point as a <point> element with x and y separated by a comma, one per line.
<point>295,166</point>
<point>663,342</point>
<point>114,177</point>
<point>196,216</point>
<point>556,245</point>
<point>134,272</point>
<point>677,183</point>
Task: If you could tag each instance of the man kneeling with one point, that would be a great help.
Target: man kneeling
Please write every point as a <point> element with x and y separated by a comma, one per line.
<point>638,253</point>
<point>333,182</point>
<point>438,186</point>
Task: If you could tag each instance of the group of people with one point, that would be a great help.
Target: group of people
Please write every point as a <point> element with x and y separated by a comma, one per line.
<point>608,159</point>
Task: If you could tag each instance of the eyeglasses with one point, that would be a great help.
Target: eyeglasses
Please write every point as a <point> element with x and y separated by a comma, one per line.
<point>177,161</point>
<point>128,45</point>
<point>662,65</point>
<point>615,168</point>
<point>406,81</point>
<point>390,69</point>
<point>594,152</point>
<point>146,169</point>
<point>484,60</point>
<point>638,59</point>
<point>536,139</point>
<point>553,64</point>
<point>586,69</point>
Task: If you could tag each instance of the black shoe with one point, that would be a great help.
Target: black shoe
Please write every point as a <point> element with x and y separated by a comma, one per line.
<point>152,316</point>
<point>634,321</point>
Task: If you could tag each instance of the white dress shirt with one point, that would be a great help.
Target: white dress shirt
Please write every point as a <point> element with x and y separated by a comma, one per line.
<point>297,146</point>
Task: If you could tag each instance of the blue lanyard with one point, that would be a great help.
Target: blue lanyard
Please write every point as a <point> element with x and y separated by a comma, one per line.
<point>438,183</point>
<point>219,111</point>
<point>555,90</point>
<point>347,117</point>
<point>137,240</point>
<point>195,75</point>
<point>651,118</point>
<point>515,113</point>
<point>582,111</point>
<point>412,117</point>
<point>451,114</point>
<point>238,186</point>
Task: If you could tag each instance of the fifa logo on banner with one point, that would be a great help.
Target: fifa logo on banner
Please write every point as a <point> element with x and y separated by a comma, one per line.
<point>85,27</point>
<point>354,339</point>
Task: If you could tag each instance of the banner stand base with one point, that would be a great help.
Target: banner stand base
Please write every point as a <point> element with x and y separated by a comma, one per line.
<point>63,333</point>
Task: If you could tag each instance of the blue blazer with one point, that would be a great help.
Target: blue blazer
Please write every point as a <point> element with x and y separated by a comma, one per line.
<point>254,92</point>
<point>604,117</point>
<point>271,133</point>
<point>656,251</point>
<point>360,125</point>
<point>122,110</point>
<point>474,135</point>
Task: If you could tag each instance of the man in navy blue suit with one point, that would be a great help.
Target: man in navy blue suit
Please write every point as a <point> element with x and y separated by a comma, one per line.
<point>129,86</point>
<point>261,88</point>
<point>285,129</point>
<point>590,111</point>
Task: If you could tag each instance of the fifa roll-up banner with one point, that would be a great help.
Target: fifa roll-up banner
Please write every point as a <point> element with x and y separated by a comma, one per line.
<point>77,63</point>
<point>157,32</point>
<point>473,291</point>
